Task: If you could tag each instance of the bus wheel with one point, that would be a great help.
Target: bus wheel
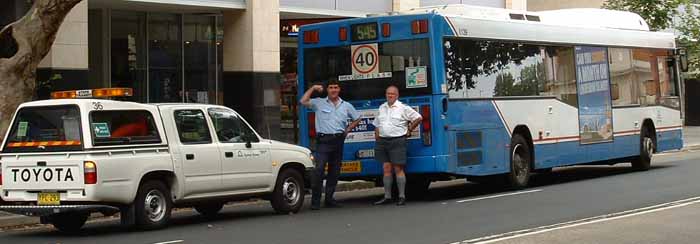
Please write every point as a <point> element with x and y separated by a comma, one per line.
<point>520,156</point>
<point>646,150</point>
<point>417,188</point>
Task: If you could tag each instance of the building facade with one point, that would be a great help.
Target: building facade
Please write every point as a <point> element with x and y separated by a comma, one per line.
<point>237,53</point>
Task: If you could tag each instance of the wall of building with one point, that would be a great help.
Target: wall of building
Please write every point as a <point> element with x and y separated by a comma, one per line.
<point>369,6</point>
<point>540,5</point>
<point>485,3</point>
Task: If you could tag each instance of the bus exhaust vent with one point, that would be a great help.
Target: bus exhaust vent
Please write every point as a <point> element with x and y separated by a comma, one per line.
<point>468,140</point>
<point>468,158</point>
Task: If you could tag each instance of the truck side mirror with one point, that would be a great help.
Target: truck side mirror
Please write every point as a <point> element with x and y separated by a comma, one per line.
<point>248,139</point>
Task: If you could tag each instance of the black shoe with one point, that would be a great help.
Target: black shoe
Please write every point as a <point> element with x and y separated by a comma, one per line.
<point>383,201</point>
<point>401,202</point>
<point>316,206</point>
<point>332,204</point>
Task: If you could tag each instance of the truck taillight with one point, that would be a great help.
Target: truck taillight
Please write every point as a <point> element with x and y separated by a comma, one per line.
<point>0,174</point>
<point>425,125</point>
<point>90,170</point>
<point>312,125</point>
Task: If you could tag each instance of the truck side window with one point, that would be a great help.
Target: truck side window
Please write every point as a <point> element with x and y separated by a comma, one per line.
<point>119,127</point>
<point>192,127</point>
<point>230,128</point>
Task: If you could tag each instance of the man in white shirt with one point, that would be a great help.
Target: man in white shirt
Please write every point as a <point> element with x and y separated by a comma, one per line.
<point>393,126</point>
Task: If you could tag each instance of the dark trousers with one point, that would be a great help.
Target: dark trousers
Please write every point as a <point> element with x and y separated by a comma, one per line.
<point>328,150</point>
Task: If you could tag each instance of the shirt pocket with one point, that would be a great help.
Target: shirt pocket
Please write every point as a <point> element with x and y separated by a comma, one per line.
<point>396,119</point>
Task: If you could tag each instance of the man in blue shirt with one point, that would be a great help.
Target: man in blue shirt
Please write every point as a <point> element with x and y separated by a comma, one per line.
<point>334,119</point>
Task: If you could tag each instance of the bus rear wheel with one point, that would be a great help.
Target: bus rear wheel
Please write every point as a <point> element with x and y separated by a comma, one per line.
<point>646,150</point>
<point>520,157</point>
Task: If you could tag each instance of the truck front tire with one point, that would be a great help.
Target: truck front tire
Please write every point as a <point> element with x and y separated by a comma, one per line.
<point>152,205</point>
<point>288,196</point>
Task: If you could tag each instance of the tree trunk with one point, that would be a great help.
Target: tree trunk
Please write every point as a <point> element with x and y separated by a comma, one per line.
<point>33,35</point>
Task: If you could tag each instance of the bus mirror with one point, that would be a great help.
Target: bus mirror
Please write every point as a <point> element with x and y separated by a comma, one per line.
<point>682,56</point>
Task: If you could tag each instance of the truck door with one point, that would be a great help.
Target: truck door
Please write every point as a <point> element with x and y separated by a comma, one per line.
<point>198,153</point>
<point>246,161</point>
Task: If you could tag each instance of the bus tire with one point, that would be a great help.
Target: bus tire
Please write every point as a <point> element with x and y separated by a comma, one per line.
<point>417,187</point>
<point>68,222</point>
<point>520,162</point>
<point>646,150</point>
<point>288,196</point>
<point>153,205</point>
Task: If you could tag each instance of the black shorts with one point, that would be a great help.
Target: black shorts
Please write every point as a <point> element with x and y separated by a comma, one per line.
<point>391,150</point>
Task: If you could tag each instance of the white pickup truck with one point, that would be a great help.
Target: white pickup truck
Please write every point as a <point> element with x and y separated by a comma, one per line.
<point>64,159</point>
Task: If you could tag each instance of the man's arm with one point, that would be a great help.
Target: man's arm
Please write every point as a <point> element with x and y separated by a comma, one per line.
<point>352,125</point>
<point>306,99</point>
<point>415,119</point>
<point>376,133</point>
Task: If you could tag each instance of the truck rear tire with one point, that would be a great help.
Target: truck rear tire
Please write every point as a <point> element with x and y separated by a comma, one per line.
<point>288,196</point>
<point>209,209</point>
<point>68,222</point>
<point>152,205</point>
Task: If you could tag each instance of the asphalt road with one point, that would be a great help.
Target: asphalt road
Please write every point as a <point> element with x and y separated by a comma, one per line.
<point>453,212</point>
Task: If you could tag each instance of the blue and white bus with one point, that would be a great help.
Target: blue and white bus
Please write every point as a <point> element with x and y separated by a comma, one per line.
<point>503,93</point>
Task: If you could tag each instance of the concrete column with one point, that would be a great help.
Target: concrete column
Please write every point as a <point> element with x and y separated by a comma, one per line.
<point>403,5</point>
<point>516,4</point>
<point>65,67</point>
<point>251,53</point>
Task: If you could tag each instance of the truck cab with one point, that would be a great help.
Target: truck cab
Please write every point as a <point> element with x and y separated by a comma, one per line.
<point>64,159</point>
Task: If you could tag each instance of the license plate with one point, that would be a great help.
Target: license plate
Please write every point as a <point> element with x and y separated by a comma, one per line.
<point>349,167</point>
<point>49,198</point>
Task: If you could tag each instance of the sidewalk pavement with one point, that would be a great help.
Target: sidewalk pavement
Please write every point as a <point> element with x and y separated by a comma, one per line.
<point>691,139</point>
<point>675,225</point>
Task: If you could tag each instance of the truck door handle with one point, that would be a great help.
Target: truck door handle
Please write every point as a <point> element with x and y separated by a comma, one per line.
<point>229,154</point>
<point>189,156</point>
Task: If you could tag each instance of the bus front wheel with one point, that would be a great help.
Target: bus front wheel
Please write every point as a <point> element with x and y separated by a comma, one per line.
<point>646,150</point>
<point>520,157</point>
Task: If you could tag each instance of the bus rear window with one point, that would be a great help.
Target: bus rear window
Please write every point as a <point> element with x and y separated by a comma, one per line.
<point>395,58</point>
<point>45,129</point>
<point>122,127</point>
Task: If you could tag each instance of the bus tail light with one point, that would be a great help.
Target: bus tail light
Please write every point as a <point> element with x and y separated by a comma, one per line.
<point>426,125</point>
<point>419,26</point>
<point>90,172</point>
<point>311,37</point>
<point>312,125</point>
<point>343,34</point>
<point>386,29</point>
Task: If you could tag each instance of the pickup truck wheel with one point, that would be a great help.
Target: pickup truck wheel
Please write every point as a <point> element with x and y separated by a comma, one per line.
<point>288,196</point>
<point>209,209</point>
<point>68,222</point>
<point>152,205</point>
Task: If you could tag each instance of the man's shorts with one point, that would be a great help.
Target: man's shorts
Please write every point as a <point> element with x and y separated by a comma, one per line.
<point>391,150</point>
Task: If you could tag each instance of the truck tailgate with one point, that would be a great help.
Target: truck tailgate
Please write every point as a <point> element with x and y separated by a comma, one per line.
<point>42,173</point>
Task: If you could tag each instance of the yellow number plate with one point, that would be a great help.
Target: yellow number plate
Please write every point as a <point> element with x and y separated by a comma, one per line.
<point>49,198</point>
<point>349,167</point>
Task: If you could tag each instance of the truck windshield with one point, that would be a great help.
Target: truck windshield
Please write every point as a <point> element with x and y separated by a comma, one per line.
<point>45,129</point>
<point>405,64</point>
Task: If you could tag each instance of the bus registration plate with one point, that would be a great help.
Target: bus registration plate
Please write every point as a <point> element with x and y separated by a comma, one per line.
<point>49,198</point>
<point>349,167</point>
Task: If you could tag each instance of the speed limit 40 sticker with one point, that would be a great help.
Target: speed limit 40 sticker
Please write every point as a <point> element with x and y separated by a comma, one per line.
<point>365,59</point>
<point>365,63</point>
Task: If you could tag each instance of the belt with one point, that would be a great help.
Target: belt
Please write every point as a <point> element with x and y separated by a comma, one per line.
<point>391,138</point>
<point>329,135</point>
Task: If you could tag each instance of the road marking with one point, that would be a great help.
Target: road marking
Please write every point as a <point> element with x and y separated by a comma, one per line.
<point>498,195</point>
<point>585,221</point>
<point>169,242</point>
